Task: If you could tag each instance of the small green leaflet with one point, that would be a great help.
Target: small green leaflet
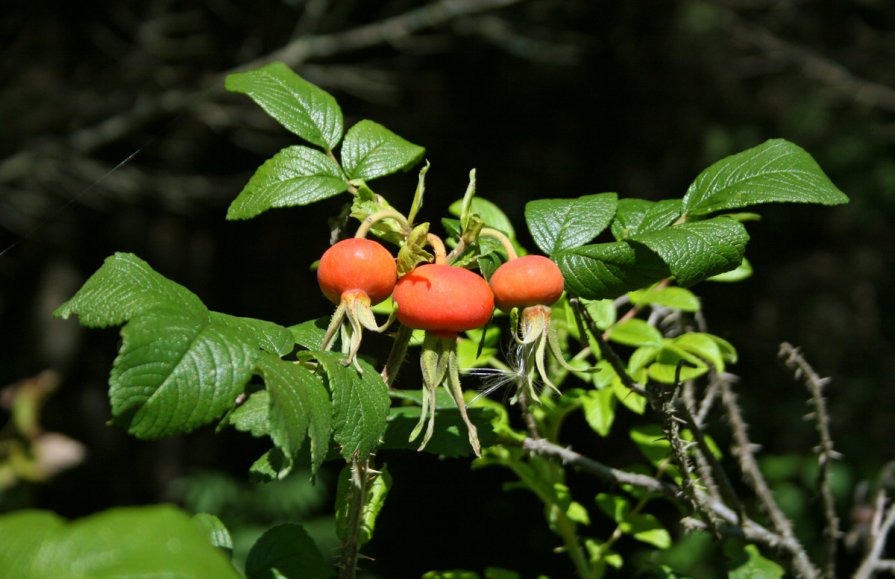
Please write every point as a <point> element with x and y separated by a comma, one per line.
<point>268,336</point>
<point>287,552</point>
<point>747,562</point>
<point>304,109</point>
<point>295,176</point>
<point>370,150</point>
<point>560,224</point>
<point>157,541</point>
<point>299,407</point>
<point>492,215</point>
<point>360,405</point>
<point>775,171</point>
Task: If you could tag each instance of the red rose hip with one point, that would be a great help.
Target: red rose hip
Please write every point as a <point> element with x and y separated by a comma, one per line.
<point>443,299</point>
<point>357,264</point>
<point>532,280</point>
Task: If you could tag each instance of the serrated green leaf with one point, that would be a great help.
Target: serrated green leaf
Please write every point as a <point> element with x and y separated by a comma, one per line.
<point>370,151</point>
<point>287,552</point>
<point>377,491</point>
<point>251,415</point>
<point>562,224</point>
<point>641,216</point>
<point>267,336</point>
<point>157,541</point>
<point>773,172</point>
<point>360,405</point>
<point>299,407</point>
<point>699,249</point>
<point>747,562</point>
<point>293,177</point>
<point>491,215</point>
<point>176,371</point>
<point>635,332</point>
<point>309,334</point>
<point>301,107</point>
<point>607,270</point>
<point>677,298</point>
<point>215,530</point>
<point>124,287</point>
<point>599,410</point>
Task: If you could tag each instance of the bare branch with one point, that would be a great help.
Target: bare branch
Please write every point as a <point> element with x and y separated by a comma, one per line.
<point>873,561</point>
<point>742,448</point>
<point>826,454</point>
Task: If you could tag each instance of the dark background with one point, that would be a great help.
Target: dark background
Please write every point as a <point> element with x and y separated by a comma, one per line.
<point>544,99</point>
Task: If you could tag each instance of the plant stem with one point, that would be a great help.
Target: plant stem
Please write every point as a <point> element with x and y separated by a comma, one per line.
<point>396,355</point>
<point>503,239</point>
<point>355,497</point>
<point>826,454</point>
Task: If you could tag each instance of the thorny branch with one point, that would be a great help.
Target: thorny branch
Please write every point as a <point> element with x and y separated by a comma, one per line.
<point>873,562</point>
<point>825,453</point>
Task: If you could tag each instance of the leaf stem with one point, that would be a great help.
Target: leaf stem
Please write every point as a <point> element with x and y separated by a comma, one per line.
<point>503,239</point>
<point>438,248</point>
<point>373,218</point>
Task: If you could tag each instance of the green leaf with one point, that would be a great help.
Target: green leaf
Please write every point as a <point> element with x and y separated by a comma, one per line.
<point>702,345</point>
<point>652,442</point>
<point>747,562</point>
<point>270,466</point>
<point>301,107</point>
<point>299,407</point>
<point>561,224</point>
<point>607,270</point>
<point>632,400</point>
<point>646,528</point>
<point>599,410</point>
<point>251,415</point>
<point>309,334</point>
<point>177,371</point>
<point>370,150</point>
<point>641,216</point>
<point>295,176</point>
<point>451,574</point>
<point>775,171</point>
<point>699,249</point>
<point>360,405</point>
<point>24,533</point>
<point>124,287</point>
<point>287,551</point>
<point>665,370</point>
<point>613,506</point>
<point>635,332</point>
<point>157,541</point>
<point>266,336</point>
<point>491,215</point>
<point>377,491</point>
<point>742,271</point>
<point>215,531</point>
<point>603,312</point>
<point>677,298</point>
